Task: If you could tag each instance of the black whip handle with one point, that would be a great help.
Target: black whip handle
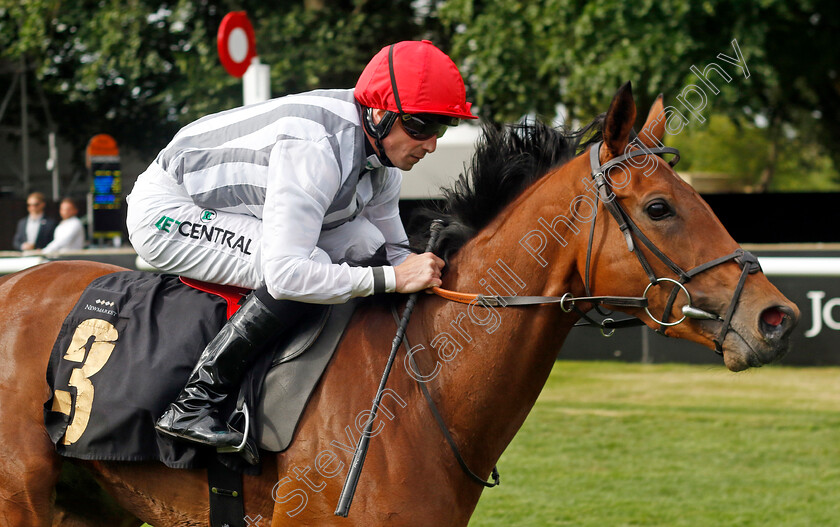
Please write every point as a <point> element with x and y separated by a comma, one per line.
<point>349,489</point>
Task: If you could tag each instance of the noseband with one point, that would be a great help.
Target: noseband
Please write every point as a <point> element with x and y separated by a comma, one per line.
<point>746,260</point>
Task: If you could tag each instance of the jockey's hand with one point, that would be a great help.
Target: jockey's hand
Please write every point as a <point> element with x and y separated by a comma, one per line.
<point>418,272</point>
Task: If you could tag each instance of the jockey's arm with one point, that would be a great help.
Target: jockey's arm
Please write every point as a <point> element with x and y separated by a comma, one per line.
<point>296,202</point>
<point>384,213</point>
<point>413,272</point>
<point>303,181</point>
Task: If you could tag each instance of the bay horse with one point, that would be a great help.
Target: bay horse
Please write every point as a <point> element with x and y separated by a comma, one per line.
<point>529,222</point>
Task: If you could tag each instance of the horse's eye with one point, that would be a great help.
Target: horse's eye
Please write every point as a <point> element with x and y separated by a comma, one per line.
<point>659,210</point>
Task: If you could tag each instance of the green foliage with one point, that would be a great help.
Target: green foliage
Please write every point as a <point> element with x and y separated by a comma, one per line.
<point>329,47</point>
<point>503,46</point>
<point>528,57</point>
<point>612,444</point>
<point>126,68</point>
<point>745,153</point>
<point>139,69</point>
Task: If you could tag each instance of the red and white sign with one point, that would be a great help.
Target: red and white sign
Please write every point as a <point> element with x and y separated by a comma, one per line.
<point>236,43</point>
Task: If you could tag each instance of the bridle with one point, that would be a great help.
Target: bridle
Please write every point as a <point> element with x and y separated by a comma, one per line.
<point>746,260</point>
<point>632,233</point>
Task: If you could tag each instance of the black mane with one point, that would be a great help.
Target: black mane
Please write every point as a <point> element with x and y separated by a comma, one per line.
<point>507,160</point>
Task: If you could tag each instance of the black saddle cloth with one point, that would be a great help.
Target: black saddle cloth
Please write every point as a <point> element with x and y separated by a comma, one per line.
<point>122,355</point>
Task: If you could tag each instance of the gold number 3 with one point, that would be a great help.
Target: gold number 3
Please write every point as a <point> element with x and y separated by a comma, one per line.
<point>105,338</point>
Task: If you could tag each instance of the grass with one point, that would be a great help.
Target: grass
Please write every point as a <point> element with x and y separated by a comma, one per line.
<point>614,444</point>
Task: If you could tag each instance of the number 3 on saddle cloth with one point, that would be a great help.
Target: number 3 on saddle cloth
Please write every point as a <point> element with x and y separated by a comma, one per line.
<point>128,346</point>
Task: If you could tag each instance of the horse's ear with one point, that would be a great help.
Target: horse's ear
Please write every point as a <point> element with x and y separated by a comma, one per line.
<point>619,121</point>
<point>654,129</point>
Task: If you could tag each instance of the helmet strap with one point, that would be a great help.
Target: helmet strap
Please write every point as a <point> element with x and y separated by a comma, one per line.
<point>381,129</point>
<point>380,153</point>
<point>394,78</point>
<point>378,131</point>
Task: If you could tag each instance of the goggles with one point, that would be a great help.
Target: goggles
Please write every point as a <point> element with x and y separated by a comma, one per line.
<point>425,126</point>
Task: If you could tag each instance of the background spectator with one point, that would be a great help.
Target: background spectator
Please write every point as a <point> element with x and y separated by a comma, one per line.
<point>70,233</point>
<point>34,231</point>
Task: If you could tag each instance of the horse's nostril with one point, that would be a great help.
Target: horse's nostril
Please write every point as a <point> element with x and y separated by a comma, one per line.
<point>773,317</point>
<point>777,322</point>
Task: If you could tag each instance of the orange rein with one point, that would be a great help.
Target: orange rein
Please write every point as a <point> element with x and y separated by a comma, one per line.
<point>455,296</point>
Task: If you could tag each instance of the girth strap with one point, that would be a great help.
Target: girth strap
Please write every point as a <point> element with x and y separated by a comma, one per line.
<point>227,506</point>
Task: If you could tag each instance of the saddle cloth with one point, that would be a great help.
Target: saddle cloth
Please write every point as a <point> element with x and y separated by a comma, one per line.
<point>127,348</point>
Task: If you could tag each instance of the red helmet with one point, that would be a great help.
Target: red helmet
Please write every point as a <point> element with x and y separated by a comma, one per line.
<point>424,78</point>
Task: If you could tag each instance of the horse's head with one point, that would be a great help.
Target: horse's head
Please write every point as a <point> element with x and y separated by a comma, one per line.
<point>671,233</point>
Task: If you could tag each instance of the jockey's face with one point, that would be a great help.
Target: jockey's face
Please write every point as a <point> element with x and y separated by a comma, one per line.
<point>404,151</point>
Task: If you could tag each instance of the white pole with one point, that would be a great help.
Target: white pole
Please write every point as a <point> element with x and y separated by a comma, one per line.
<point>52,165</point>
<point>256,83</point>
<point>24,126</point>
<point>90,225</point>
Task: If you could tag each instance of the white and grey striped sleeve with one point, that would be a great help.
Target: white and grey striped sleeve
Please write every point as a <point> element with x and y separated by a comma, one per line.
<point>384,213</point>
<point>303,181</point>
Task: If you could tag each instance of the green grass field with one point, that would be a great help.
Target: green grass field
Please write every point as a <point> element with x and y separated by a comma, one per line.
<point>613,444</point>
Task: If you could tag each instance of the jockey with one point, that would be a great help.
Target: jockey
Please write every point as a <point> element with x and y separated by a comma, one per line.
<point>279,196</point>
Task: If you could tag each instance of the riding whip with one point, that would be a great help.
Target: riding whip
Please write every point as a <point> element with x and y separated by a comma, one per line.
<point>349,489</point>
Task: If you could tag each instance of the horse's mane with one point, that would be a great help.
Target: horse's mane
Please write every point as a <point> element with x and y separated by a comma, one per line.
<point>507,160</point>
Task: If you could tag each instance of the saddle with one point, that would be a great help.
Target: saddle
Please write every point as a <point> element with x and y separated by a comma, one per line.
<point>291,378</point>
<point>126,350</point>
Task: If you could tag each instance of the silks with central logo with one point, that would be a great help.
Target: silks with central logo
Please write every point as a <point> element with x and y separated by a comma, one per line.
<point>122,355</point>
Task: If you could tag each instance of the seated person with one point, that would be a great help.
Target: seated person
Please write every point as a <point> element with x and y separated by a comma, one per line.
<point>70,233</point>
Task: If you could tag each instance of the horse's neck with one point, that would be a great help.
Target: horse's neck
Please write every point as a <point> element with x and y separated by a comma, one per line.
<point>504,355</point>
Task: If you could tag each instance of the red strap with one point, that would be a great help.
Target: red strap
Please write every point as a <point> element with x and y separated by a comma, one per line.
<point>230,293</point>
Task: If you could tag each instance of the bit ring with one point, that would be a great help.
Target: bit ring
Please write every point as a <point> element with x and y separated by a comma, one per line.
<point>678,284</point>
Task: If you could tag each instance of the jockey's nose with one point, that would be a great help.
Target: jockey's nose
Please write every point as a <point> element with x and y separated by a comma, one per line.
<point>430,144</point>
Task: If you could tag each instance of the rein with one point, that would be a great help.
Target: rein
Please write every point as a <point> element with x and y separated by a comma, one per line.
<point>567,304</point>
<point>441,423</point>
<point>746,260</point>
<point>632,234</point>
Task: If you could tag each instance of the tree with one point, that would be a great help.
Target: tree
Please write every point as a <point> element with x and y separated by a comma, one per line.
<point>140,69</point>
<point>748,155</point>
<point>530,57</point>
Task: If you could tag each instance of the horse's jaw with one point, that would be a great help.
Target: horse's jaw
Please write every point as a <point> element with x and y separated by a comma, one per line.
<point>740,354</point>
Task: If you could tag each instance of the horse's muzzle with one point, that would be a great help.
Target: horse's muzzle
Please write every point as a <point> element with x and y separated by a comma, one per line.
<point>776,323</point>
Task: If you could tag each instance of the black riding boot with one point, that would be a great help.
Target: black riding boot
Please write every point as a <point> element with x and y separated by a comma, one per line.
<point>194,416</point>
